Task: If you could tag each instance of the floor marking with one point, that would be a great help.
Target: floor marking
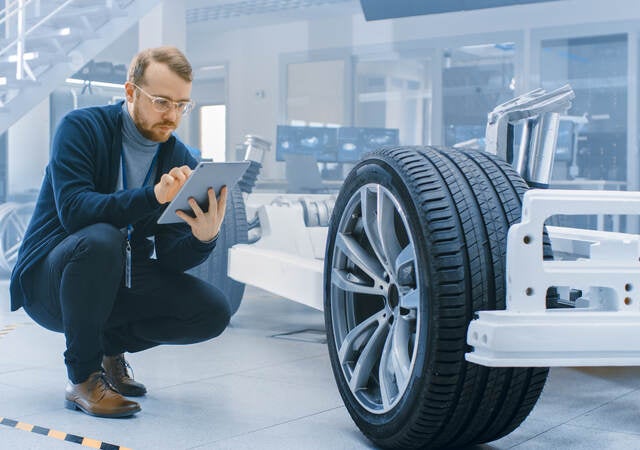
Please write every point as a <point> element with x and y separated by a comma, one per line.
<point>85,442</point>
<point>7,329</point>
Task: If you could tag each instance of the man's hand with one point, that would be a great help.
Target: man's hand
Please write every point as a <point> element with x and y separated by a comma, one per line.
<point>170,183</point>
<point>206,225</point>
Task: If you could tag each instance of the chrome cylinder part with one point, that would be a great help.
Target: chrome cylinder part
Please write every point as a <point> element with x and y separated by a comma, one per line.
<point>523,152</point>
<point>255,148</point>
<point>543,145</point>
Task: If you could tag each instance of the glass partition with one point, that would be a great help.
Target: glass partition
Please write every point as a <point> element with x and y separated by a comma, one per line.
<point>596,68</point>
<point>592,141</point>
<point>475,79</point>
<point>395,94</point>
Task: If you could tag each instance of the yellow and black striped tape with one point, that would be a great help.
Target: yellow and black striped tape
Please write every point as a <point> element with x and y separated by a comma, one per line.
<point>7,329</point>
<point>87,442</point>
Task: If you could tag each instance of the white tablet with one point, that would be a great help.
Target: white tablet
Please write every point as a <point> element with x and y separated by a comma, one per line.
<point>204,176</point>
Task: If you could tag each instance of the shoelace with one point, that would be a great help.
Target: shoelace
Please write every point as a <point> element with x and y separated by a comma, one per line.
<point>124,367</point>
<point>102,384</point>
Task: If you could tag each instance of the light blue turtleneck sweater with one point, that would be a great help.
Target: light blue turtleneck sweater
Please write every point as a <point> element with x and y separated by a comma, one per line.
<point>138,153</point>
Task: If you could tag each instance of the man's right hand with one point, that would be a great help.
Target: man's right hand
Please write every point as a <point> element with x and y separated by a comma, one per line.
<point>170,183</point>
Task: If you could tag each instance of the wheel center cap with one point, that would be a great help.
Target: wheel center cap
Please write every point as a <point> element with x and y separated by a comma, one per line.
<point>393,296</point>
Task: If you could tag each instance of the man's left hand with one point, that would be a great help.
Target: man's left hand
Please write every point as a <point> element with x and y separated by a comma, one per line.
<point>206,225</point>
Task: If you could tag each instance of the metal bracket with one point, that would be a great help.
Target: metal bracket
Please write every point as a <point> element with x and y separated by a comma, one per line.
<point>540,111</point>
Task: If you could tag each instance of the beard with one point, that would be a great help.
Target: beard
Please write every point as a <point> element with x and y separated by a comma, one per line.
<point>156,132</point>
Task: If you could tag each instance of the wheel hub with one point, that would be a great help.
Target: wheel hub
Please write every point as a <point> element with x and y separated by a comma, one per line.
<point>393,297</point>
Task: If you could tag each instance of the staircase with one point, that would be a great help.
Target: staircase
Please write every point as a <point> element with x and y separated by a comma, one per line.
<point>43,42</point>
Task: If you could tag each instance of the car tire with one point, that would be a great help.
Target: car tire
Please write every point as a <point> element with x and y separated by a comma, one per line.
<point>417,245</point>
<point>233,231</point>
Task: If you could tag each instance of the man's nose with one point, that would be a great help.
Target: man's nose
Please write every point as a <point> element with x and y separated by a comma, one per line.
<point>172,113</point>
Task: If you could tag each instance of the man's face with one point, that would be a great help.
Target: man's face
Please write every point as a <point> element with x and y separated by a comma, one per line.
<point>158,81</point>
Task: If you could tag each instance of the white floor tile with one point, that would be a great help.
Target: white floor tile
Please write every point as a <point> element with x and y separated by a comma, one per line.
<point>249,390</point>
<point>306,433</point>
<point>568,437</point>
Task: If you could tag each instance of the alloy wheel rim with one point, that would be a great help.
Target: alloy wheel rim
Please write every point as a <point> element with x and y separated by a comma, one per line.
<point>375,298</point>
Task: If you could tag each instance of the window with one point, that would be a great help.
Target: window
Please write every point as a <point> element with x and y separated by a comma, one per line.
<point>213,132</point>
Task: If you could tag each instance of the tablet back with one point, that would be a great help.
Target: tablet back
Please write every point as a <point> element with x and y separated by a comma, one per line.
<point>205,175</point>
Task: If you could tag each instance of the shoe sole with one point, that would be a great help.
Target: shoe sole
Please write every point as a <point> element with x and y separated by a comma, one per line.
<point>131,393</point>
<point>135,393</point>
<point>69,404</point>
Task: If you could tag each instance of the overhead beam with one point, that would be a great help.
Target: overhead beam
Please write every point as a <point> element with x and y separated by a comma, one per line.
<point>385,9</point>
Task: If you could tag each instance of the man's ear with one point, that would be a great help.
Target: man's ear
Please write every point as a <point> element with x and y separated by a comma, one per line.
<point>129,90</point>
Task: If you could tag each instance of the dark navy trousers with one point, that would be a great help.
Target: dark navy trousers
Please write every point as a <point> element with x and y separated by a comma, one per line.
<point>78,290</point>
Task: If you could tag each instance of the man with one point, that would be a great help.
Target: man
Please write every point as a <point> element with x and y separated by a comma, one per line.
<point>85,267</point>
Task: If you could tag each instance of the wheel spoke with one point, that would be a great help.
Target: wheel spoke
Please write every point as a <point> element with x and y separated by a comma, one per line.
<point>369,205</point>
<point>339,279</point>
<point>386,229</point>
<point>18,223</point>
<point>400,360</point>
<point>369,357</point>
<point>356,336</point>
<point>405,266</point>
<point>12,252</point>
<point>410,299</point>
<point>385,373</point>
<point>359,256</point>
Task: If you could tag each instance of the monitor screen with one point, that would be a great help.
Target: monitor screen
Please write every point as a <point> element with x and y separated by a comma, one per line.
<point>354,142</point>
<point>320,142</point>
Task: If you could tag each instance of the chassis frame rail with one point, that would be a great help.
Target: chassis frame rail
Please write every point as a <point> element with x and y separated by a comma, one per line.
<point>603,330</point>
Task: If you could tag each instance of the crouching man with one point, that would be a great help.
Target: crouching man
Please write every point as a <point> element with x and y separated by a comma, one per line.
<point>85,267</point>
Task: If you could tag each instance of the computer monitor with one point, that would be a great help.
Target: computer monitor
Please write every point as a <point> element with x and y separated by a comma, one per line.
<point>354,142</point>
<point>320,142</point>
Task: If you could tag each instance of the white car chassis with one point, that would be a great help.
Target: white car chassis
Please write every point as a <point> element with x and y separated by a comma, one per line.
<point>602,330</point>
<point>601,326</point>
<point>287,260</point>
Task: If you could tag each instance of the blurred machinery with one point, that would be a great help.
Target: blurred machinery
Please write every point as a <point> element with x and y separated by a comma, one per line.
<point>588,153</point>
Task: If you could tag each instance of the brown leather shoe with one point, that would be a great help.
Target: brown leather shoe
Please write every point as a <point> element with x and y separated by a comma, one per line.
<point>115,368</point>
<point>97,398</point>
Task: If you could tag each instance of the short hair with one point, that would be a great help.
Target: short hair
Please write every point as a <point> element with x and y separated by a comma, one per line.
<point>171,56</point>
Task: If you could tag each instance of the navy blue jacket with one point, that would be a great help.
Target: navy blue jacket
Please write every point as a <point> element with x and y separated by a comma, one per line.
<point>78,190</point>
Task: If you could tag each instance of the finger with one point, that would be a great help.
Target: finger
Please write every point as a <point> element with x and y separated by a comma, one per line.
<point>167,179</point>
<point>212,200</point>
<point>186,217</point>
<point>222,199</point>
<point>180,176</point>
<point>186,170</point>
<point>222,205</point>
<point>195,207</point>
<point>178,173</point>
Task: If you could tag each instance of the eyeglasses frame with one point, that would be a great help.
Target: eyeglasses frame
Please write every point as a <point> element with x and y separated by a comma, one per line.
<point>185,107</point>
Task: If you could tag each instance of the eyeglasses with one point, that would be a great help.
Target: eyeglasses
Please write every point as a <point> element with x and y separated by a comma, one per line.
<point>162,105</point>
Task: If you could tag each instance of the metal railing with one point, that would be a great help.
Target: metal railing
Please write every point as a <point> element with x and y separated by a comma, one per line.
<point>13,17</point>
<point>18,8</point>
